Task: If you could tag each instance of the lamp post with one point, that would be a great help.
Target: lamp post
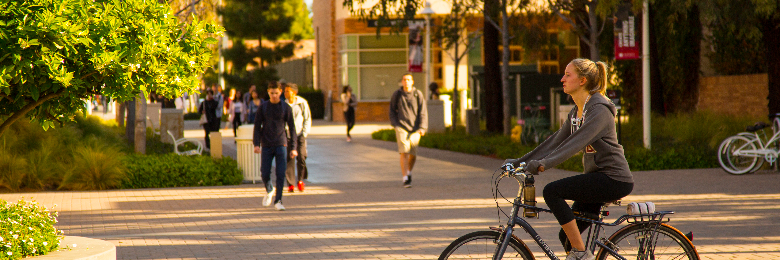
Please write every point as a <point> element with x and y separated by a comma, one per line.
<point>427,11</point>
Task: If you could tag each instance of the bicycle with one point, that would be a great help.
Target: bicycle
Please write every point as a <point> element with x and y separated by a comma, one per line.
<point>746,152</point>
<point>647,236</point>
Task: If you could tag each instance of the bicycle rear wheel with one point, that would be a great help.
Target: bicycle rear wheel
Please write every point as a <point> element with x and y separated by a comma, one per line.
<point>669,243</point>
<point>482,245</point>
<point>760,161</point>
<point>736,164</point>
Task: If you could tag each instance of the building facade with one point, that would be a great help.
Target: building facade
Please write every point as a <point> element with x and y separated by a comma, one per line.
<point>349,52</point>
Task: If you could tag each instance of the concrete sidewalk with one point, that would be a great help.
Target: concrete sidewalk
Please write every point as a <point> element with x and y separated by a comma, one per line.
<point>354,207</point>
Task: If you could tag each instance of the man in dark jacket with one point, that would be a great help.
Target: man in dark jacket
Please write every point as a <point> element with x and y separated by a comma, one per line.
<point>409,117</point>
<point>270,121</point>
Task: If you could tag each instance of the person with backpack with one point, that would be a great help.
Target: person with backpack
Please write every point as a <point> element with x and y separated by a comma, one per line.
<point>270,138</point>
<point>409,117</point>
<point>302,116</point>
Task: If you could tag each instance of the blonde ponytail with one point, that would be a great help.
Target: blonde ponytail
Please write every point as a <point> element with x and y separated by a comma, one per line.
<point>601,80</point>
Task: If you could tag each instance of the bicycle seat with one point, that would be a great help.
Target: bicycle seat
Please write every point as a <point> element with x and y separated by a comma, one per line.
<point>756,127</point>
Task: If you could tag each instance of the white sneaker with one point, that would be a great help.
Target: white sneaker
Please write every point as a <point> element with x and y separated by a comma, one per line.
<point>279,206</point>
<point>580,255</point>
<point>269,197</point>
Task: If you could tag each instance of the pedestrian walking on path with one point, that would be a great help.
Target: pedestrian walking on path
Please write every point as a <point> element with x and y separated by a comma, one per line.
<point>252,106</point>
<point>590,128</point>
<point>209,108</point>
<point>302,117</point>
<point>409,117</point>
<point>349,103</point>
<point>236,112</point>
<point>271,118</point>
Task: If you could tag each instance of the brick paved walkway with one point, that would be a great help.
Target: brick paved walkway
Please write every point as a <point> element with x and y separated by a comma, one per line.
<point>355,208</point>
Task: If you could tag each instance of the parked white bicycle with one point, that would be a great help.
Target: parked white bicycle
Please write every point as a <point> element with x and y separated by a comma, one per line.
<point>747,151</point>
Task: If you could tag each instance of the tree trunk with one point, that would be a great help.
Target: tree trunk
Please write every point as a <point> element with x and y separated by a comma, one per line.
<point>657,103</point>
<point>505,72</point>
<point>455,92</point>
<point>493,97</point>
<point>140,124</point>
<point>692,63</point>
<point>130,126</point>
<point>770,29</point>
<point>120,114</point>
<point>595,55</point>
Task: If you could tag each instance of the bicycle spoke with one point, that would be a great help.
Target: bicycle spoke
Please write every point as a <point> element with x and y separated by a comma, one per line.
<point>665,244</point>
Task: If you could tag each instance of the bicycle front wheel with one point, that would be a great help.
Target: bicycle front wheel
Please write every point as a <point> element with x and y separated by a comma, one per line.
<point>668,243</point>
<point>482,245</point>
<point>736,164</point>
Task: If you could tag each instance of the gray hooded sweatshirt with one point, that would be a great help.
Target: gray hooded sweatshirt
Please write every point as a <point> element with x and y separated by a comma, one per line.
<point>596,138</point>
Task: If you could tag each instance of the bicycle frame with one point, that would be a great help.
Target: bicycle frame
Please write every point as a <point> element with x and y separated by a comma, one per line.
<point>646,244</point>
<point>763,151</point>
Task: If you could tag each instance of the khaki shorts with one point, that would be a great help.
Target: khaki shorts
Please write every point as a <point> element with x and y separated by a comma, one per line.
<point>407,143</point>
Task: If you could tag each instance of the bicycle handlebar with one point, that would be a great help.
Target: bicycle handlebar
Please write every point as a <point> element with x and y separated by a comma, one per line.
<point>511,170</point>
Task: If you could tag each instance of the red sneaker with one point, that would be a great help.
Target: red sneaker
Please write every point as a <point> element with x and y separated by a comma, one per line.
<point>290,188</point>
<point>301,185</point>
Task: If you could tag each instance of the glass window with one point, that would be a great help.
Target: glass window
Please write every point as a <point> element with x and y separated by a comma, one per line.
<point>352,42</point>
<point>352,58</point>
<point>570,39</point>
<point>475,54</point>
<point>343,79</point>
<point>380,82</point>
<point>382,57</point>
<point>383,42</point>
<point>353,79</point>
<point>517,55</point>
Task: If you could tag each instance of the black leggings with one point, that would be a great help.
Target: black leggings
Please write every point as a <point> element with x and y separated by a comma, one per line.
<point>589,192</point>
<point>349,116</point>
<point>236,123</point>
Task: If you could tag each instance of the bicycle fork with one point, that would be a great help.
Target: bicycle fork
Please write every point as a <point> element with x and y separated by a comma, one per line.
<point>507,235</point>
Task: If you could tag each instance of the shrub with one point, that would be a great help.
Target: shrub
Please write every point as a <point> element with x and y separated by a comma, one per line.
<point>192,116</point>
<point>95,167</point>
<point>172,170</point>
<point>89,154</point>
<point>13,170</point>
<point>26,230</point>
<point>680,141</point>
<point>43,169</point>
<point>384,135</point>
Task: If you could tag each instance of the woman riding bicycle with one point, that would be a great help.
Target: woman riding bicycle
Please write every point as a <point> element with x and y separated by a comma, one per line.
<point>590,128</point>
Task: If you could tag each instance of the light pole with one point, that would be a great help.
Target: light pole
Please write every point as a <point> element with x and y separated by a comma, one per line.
<point>427,11</point>
<point>646,112</point>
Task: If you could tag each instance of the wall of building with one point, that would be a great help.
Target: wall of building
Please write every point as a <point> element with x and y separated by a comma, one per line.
<point>365,112</point>
<point>735,95</point>
<point>297,71</point>
<point>334,27</point>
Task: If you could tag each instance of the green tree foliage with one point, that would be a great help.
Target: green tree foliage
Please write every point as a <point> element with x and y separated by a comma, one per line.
<point>735,40</point>
<point>301,26</point>
<point>270,20</point>
<point>745,38</point>
<point>55,53</point>
<point>676,36</point>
